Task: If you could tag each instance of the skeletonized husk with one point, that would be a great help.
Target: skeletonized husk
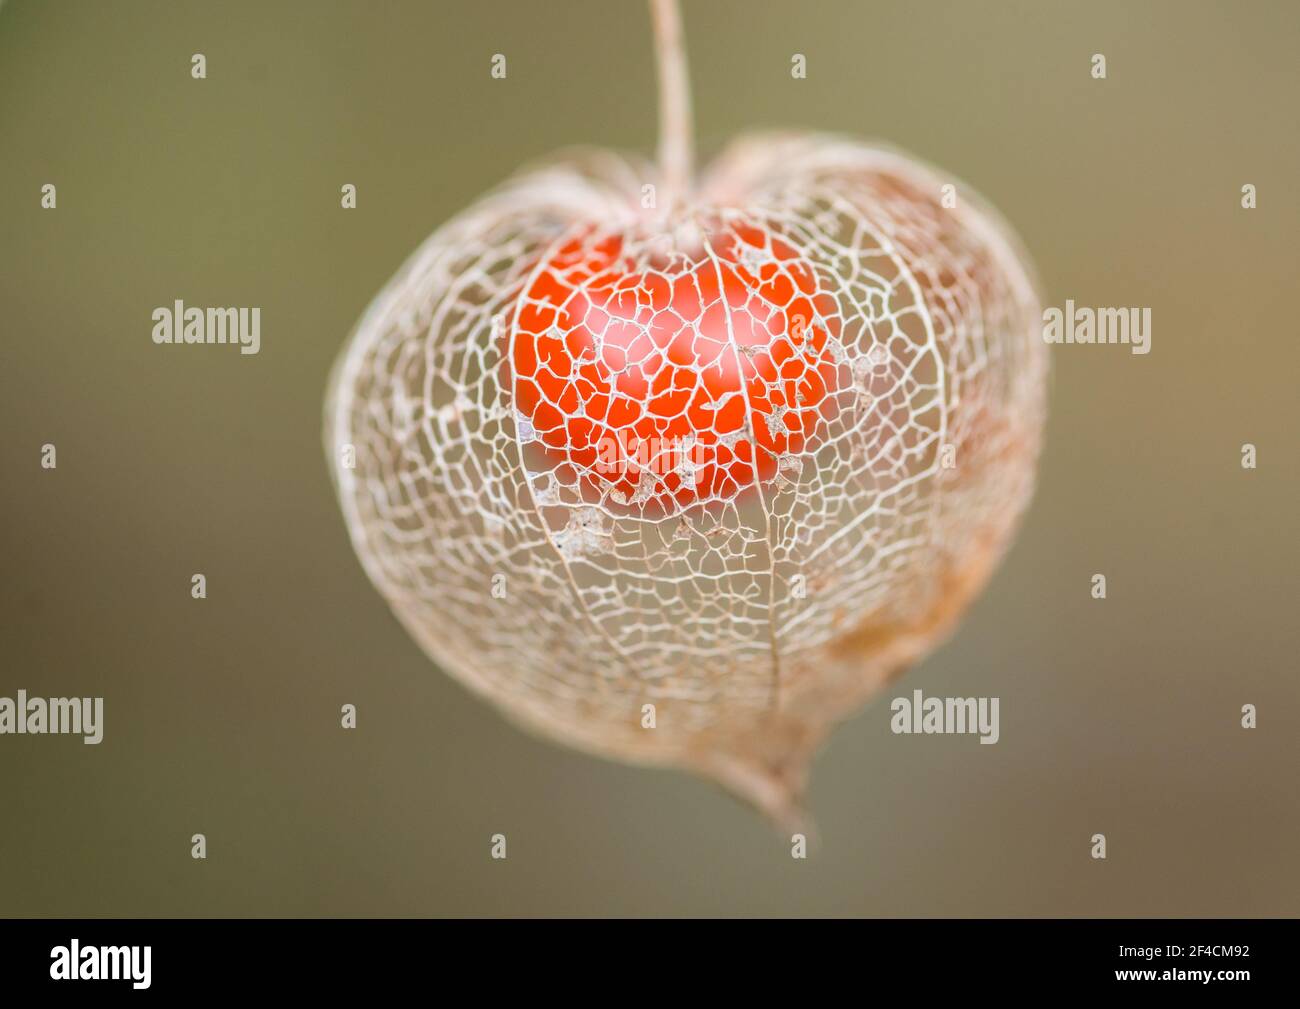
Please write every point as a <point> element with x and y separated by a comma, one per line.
<point>751,618</point>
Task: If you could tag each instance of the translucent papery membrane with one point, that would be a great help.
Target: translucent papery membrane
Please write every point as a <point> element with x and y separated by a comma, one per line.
<point>742,463</point>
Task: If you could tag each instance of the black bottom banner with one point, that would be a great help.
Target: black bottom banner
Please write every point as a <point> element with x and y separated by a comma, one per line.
<point>92,958</point>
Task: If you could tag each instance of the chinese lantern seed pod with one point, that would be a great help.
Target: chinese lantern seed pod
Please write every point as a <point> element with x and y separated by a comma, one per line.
<point>687,483</point>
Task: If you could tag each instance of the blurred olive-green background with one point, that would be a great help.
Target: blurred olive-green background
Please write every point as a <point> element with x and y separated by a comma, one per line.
<point>222,716</point>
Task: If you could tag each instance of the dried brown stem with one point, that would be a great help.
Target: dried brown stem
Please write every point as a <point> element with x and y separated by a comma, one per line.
<point>675,154</point>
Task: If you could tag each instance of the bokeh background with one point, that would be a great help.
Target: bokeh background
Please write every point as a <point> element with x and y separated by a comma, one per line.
<point>222,716</point>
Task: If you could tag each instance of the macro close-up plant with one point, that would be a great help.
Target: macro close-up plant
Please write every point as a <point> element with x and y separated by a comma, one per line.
<point>647,459</point>
<point>682,467</point>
